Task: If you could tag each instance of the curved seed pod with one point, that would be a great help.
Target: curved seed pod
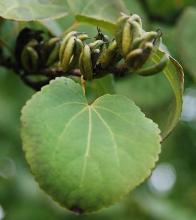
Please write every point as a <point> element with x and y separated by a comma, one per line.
<point>29,59</point>
<point>154,69</point>
<point>51,43</point>
<point>67,54</point>
<point>147,45</point>
<point>107,56</point>
<point>86,66</point>
<point>32,43</point>
<point>64,43</point>
<point>96,44</point>
<point>119,30</point>
<point>76,54</point>
<point>133,56</point>
<point>136,18</point>
<point>82,36</point>
<point>54,55</point>
<point>127,38</point>
<point>146,37</point>
<point>146,52</point>
<point>137,30</point>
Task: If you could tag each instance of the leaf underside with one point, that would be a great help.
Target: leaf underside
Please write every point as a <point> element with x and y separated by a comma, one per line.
<point>175,76</point>
<point>87,156</point>
<point>32,10</point>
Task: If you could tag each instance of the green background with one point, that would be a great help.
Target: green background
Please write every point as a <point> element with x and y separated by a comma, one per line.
<point>170,193</point>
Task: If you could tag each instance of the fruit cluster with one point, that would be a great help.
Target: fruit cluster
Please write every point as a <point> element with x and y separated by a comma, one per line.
<point>131,45</point>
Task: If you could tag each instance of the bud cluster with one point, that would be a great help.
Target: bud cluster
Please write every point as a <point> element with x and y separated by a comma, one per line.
<point>131,46</point>
<point>34,53</point>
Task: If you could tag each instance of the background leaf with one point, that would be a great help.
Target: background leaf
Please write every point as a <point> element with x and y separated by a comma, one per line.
<point>185,37</point>
<point>32,10</point>
<point>87,156</point>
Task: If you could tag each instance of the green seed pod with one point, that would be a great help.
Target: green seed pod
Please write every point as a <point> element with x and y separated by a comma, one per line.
<point>32,43</point>
<point>146,37</point>
<point>136,29</point>
<point>133,56</point>
<point>76,53</point>
<point>53,56</point>
<point>29,59</point>
<point>86,66</point>
<point>64,43</point>
<point>67,55</point>
<point>154,69</point>
<point>146,52</point>
<point>96,44</point>
<point>119,30</point>
<point>51,43</point>
<point>82,36</point>
<point>127,38</point>
<point>108,55</point>
<point>136,18</point>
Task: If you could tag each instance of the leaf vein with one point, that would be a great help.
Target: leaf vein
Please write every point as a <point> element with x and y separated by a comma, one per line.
<point>66,127</point>
<point>111,133</point>
<point>87,151</point>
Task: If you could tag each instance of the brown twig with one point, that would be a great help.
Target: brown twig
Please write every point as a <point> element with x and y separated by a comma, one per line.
<point>117,71</point>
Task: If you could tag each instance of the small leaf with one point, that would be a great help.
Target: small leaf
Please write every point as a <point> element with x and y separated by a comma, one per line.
<point>32,10</point>
<point>87,156</point>
<point>175,76</point>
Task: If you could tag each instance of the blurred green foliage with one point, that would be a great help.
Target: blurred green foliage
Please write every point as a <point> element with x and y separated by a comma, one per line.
<point>170,193</point>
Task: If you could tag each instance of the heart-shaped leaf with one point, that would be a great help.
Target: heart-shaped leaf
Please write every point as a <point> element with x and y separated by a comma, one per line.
<point>87,156</point>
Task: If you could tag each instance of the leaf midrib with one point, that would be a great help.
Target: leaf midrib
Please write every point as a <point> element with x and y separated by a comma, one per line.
<point>89,135</point>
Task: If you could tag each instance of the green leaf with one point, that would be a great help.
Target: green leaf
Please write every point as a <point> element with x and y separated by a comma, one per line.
<point>175,76</point>
<point>102,13</point>
<point>168,7</point>
<point>106,18</point>
<point>142,90</point>
<point>110,26</point>
<point>185,40</point>
<point>87,156</point>
<point>32,10</point>
<point>154,93</point>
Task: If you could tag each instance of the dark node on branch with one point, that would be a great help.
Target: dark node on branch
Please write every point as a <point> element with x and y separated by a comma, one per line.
<point>77,210</point>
